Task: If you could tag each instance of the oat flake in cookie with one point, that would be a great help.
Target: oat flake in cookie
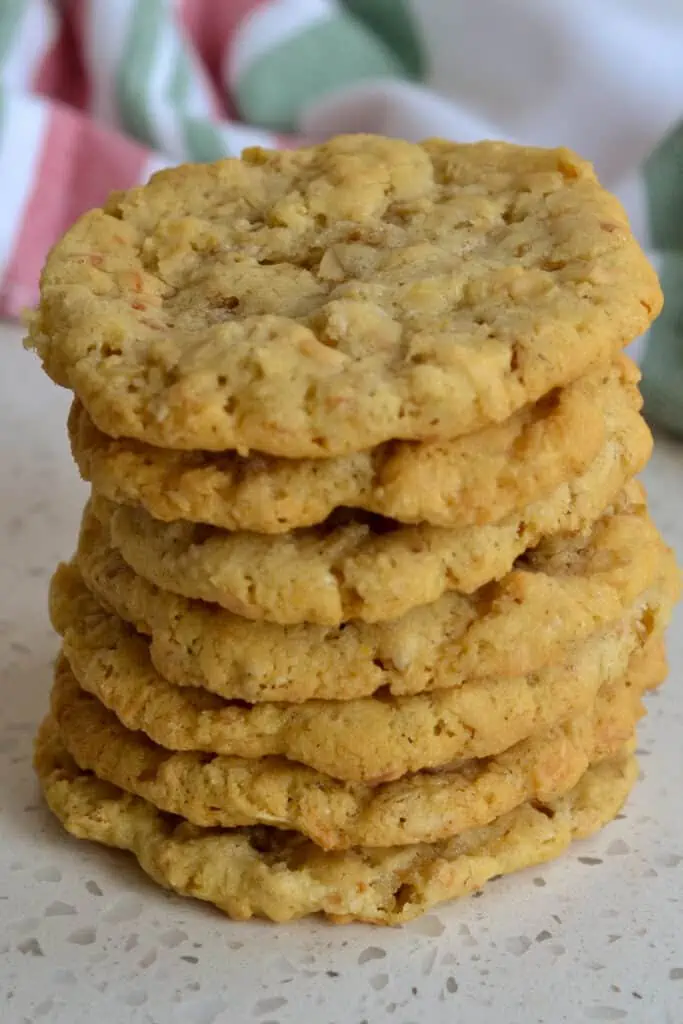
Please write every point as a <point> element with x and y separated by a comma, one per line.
<point>318,302</point>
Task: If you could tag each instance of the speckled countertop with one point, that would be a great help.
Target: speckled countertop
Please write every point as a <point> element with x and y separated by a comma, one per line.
<point>596,936</point>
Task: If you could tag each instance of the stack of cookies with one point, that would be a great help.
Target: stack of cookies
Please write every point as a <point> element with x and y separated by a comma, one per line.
<point>366,598</point>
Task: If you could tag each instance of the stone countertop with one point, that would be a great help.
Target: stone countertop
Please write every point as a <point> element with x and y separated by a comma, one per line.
<point>595,936</point>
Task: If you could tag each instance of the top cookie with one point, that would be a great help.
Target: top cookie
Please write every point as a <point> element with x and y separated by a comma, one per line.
<point>322,301</point>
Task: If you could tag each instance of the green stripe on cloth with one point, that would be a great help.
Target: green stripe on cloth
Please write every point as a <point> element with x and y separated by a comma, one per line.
<point>11,15</point>
<point>662,384</point>
<point>180,81</point>
<point>137,56</point>
<point>177,95</point>
<point>204,140</point>
<point>664,183</point>
<point>325,56</point>
<point>393,22</point>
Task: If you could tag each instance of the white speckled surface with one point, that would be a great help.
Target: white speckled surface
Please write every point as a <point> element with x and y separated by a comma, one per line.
<point>596,936</point>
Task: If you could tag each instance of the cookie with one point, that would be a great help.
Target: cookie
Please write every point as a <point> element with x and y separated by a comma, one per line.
<point>266,872</point>
<point>510,628</point>
<point>214,791</point>
<point>476,479</point>
<point>355,565</point>
<point>317,302</point>
<point>474,720</point>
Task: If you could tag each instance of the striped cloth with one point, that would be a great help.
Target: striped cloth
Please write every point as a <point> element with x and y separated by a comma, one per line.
<point>97,94</point>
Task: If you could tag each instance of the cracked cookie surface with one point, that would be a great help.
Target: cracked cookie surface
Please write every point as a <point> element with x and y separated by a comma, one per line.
<point>317,302</point>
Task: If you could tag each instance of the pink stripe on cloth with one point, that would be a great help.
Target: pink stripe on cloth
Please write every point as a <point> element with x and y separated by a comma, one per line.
<point>80,163</point>
<point>76,13</point>
<point>61,75</point>
<point>211,25</point>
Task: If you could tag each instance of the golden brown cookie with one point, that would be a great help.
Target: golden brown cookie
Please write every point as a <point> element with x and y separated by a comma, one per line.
<point>476,719</point>
<point>316,302</point>
<point>225,791</point>
<point>265,872</point>
<point>507,629</point>
<point>476,479</point>
<point>356,565</point>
